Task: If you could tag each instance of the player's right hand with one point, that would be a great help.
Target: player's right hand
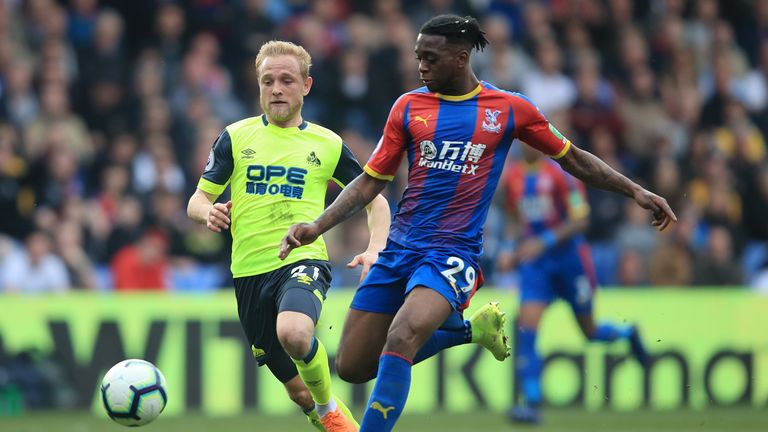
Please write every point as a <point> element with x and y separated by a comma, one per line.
<point>662,213</point>
<point>298,235</point>
<point>218,216</point>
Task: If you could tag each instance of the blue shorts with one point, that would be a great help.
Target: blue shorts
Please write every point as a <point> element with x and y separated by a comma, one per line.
<point>565,272</point>
<point>452,273</point>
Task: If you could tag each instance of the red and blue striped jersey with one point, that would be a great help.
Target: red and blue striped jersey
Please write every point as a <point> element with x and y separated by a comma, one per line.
<point>456,148</point>
<point>543,196</point>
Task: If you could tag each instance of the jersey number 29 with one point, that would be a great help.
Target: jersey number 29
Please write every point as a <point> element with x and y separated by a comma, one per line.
<point>457,266</point>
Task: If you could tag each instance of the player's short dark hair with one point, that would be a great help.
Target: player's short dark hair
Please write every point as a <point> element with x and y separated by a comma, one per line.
<point>458,30</point>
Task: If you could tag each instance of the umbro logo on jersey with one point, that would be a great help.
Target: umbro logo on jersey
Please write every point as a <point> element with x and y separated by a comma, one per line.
<point>313,159</point>
<point>248,153</point>
<point>305,279</point>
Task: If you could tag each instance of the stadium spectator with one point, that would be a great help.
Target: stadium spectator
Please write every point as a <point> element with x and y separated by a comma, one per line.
<point>635,233</point>
<point>56,119</point>
<point>682,104</point>
<point>670,265</point>
<point>738,138</point>
<point>170,27</point>
<point>58,63</point>
<point>699,30</point>
<point>536,25</point>
<point>503,62</point>
<point>578,47</point>
<point>641,102</point>
<point>126,229</point>
<point>712,193</point>
<point>34,269</point>
<point>156,167</point>
<point>15,193</point>
<point>143,265</point>
<point>57,176</point>
<point>667,36</point>
<point>105,72</point>
<point>82,22</point>
<point>200,76</point>
<point>666,179</point>
<point>606,207</point>
<point>19,102</point>
<point>546,84</point>
<point>631,53</point>
<point>169,215</point>
<point>717,264</point>
<point>353,106</point>
<point>594,105</point>
<point>718,89</point>
<point>115,182</point>
<point>70,246</point>
<point>632,269</point>
<point>36,14</point>
<point>754,85</point>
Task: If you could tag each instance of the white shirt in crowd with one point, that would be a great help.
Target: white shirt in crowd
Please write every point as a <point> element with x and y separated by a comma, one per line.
<point>19,274</point>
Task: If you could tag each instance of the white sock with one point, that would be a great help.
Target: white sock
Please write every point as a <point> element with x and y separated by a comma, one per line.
<point>324,409</point>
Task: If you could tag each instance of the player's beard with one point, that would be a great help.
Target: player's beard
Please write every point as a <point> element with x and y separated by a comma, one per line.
<point>283,112</point>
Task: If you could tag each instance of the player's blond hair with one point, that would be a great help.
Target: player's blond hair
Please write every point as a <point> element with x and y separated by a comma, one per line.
<point>277,48</point>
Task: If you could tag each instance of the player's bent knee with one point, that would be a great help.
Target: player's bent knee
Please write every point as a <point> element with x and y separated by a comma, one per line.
<point>295,340</point>
<point>294,331</point>
<point>401,339</point>
<point>346,369</point>
<point>354,373</point>
<point>353,376</point>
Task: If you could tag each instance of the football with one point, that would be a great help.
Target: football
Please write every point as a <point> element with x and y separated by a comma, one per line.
<point>134,392</point>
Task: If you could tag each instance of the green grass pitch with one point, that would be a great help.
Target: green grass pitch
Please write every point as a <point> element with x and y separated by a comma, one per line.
<point>555,420</point>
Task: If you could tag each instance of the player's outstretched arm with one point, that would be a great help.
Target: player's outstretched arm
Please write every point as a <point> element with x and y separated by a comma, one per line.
<point>354,197</point>
<point>201,209</point>
<point>593,171</point>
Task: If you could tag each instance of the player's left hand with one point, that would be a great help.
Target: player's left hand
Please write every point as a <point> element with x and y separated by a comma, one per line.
<point>298,235</point>
<point>530,249</point>
<point>365,259</point>
<point>662,213</point>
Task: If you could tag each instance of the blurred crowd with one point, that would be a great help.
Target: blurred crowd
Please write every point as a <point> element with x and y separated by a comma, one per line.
<point>108,110</point>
